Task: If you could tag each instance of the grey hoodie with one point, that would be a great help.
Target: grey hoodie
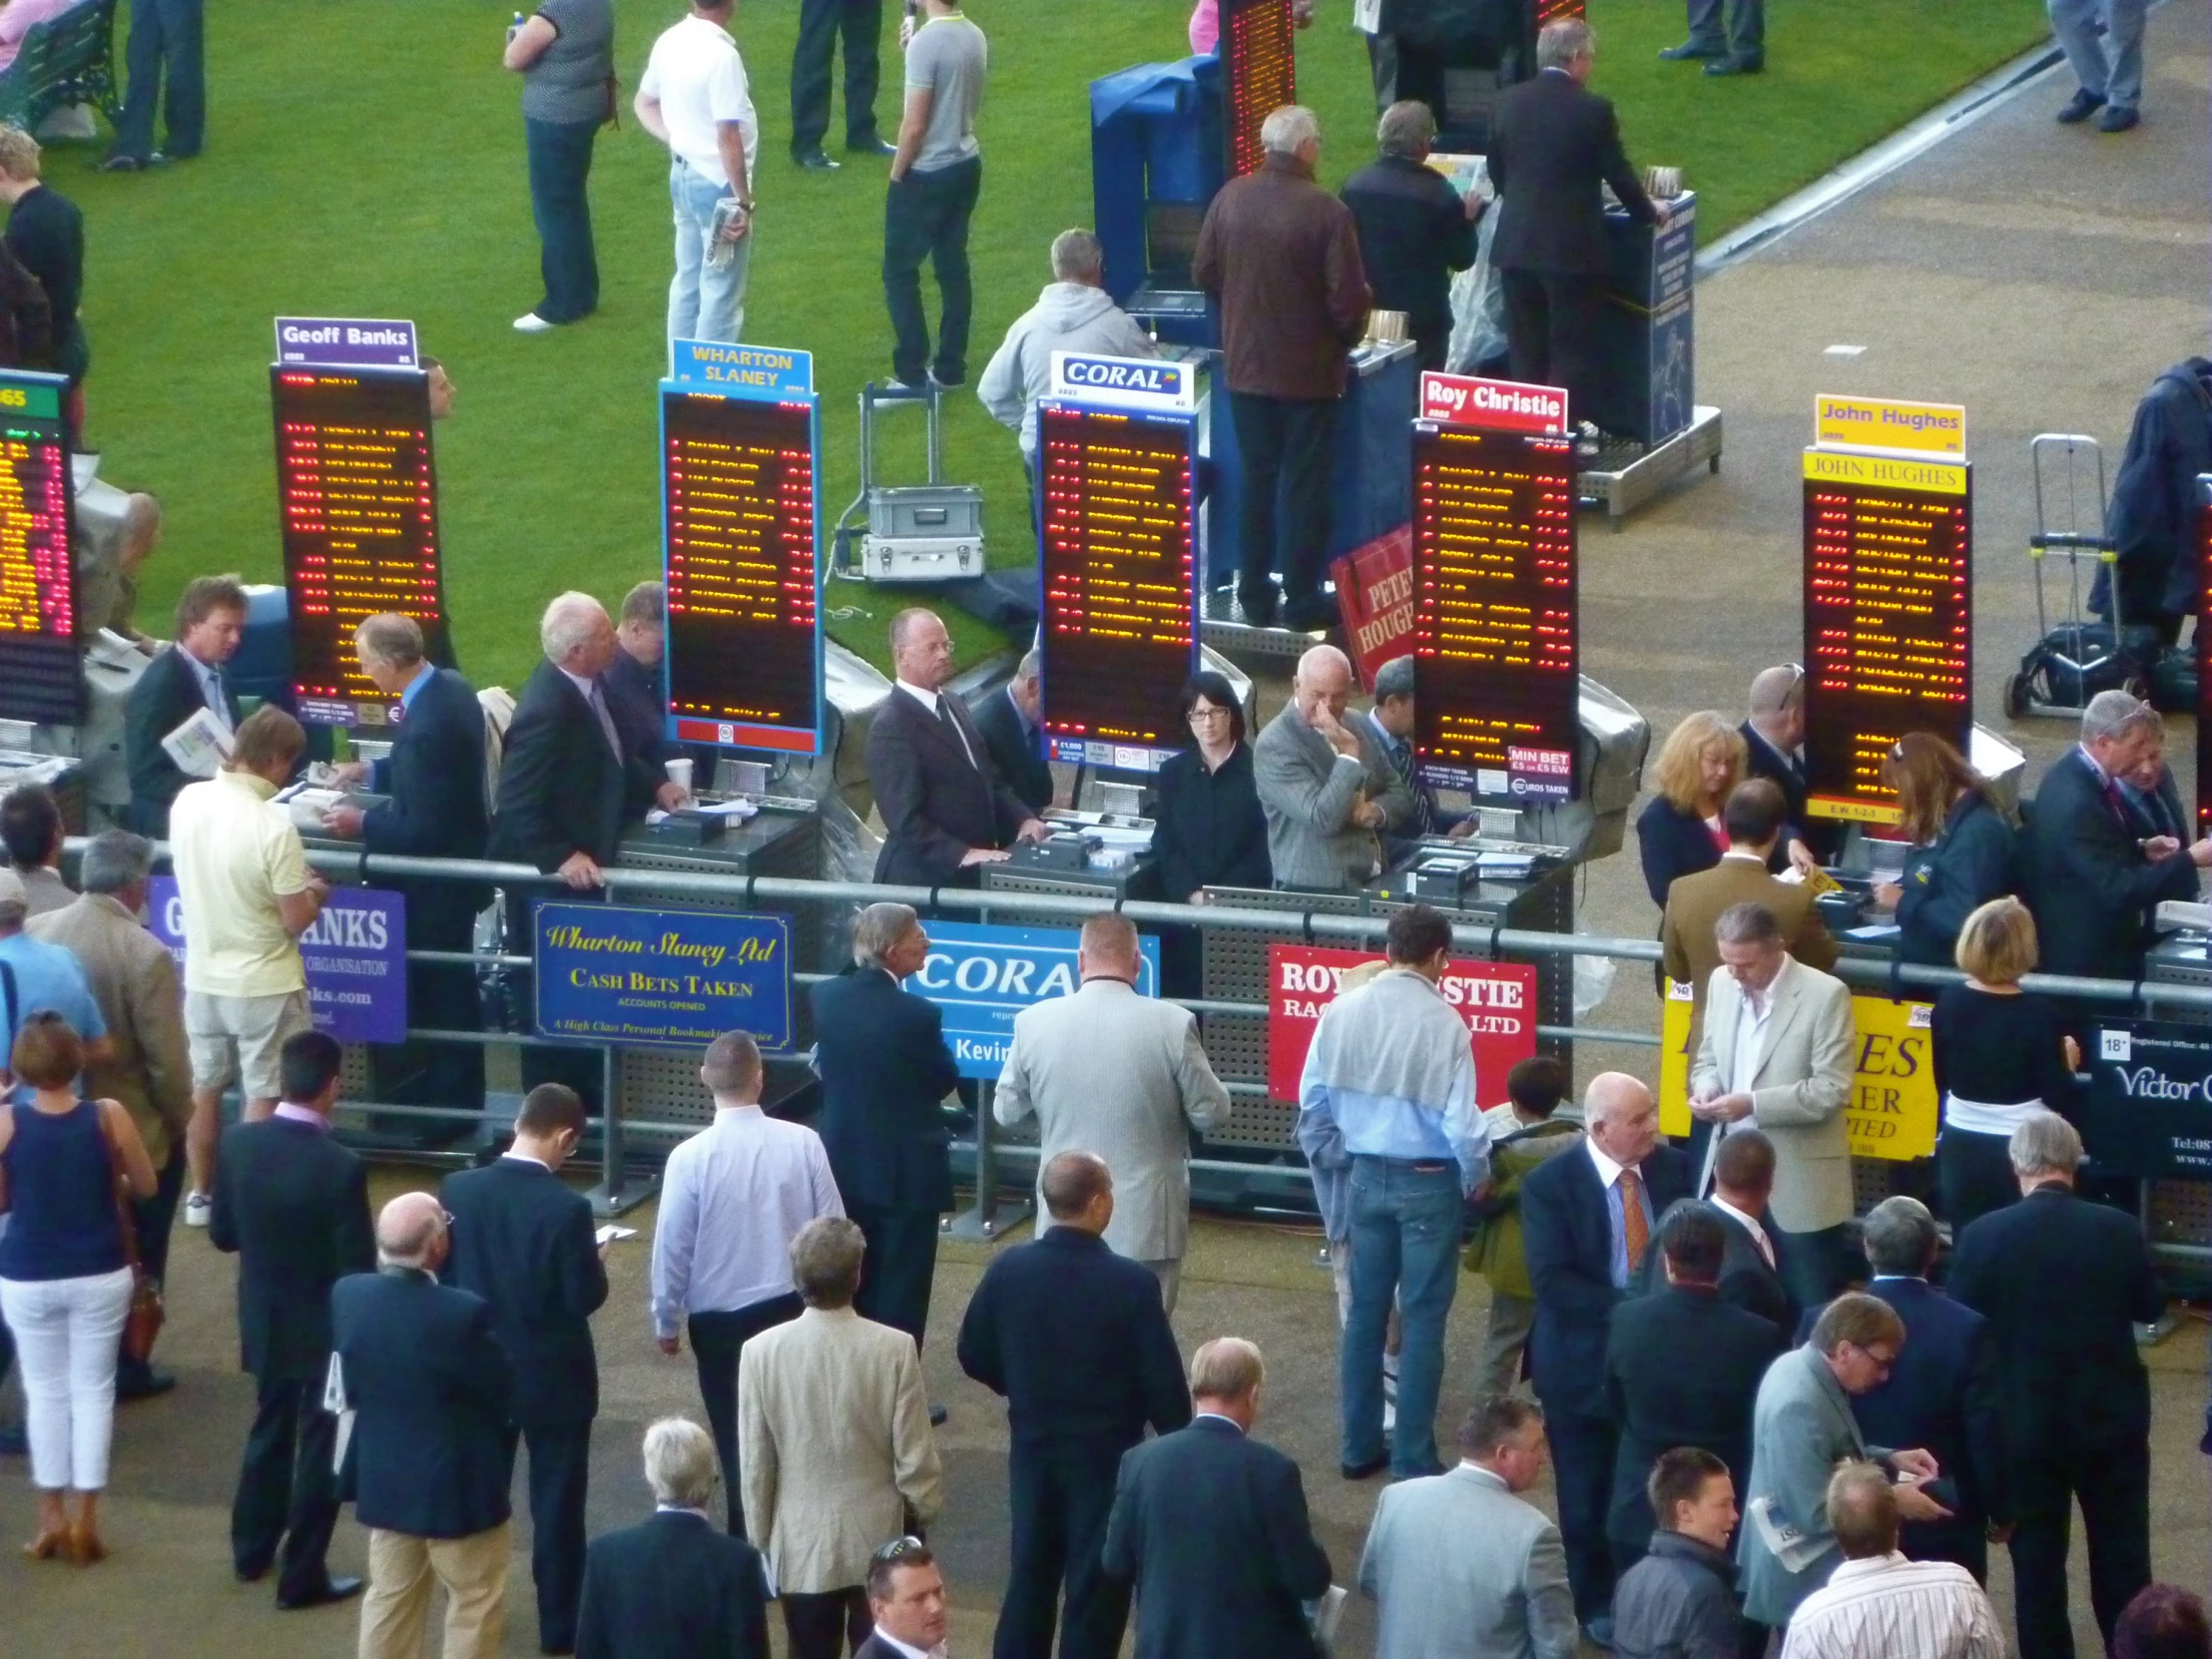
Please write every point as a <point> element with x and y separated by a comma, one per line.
<point>1068,317</point>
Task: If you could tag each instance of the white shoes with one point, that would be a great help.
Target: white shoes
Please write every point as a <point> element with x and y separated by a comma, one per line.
<point>198,1208</point>
<point>529,323</point>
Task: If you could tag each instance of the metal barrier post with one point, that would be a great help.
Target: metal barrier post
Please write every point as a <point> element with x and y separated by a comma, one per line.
<point>983,1221</point>
<point>614,1194</point>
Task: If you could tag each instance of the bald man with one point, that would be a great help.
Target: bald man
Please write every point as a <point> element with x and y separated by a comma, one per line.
<point>1328,790</point>
<point>1774,744</point>
<point>419,1366</point>
<point>946,812</point>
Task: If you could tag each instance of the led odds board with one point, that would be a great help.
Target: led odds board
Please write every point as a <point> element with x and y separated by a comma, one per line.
<point>1888,589</point>
<point>740,440</point>
<point>1494,611</point>
<point>39,679</point>
<point>1259,74</point>
<point>1116,444</point>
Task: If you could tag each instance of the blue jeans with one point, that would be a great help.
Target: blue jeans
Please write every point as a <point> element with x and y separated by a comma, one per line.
<point>2111,67</point>
<point>166,38</point>
<point>704,302</point>
<point>560,163</point>
<point>1404,1241</point>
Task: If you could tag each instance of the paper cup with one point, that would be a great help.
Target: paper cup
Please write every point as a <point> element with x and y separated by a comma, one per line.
<point>679,774</point>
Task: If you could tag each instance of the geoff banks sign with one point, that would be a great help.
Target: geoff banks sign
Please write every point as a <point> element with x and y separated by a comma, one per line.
<point>345,343</point>
<point>1132,382</point>
<point>1499,405</point>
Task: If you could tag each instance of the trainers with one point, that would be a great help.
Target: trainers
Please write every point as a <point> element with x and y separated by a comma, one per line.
<point>121,164</point>
<point>198,1208</point>
<point>529,323</point>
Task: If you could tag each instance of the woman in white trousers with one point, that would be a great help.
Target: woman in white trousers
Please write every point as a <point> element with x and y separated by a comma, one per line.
<point>65,1277</point>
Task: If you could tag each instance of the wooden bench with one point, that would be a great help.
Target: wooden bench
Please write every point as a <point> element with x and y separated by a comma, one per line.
<point>66,60</point>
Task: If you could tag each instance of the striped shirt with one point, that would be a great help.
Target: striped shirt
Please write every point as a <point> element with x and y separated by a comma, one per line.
<point>1886,1607</point>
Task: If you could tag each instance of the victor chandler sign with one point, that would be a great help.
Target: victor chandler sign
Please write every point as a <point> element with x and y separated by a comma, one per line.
<point>2149,1106</point>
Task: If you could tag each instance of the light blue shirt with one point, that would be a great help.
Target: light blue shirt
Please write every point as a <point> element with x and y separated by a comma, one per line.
<point>210,688</point>
<point>49,976</point>
<point>1390,1074</point>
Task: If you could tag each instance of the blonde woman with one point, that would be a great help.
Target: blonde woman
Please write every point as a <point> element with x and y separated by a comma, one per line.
<point>2001,1056</point>
<point>1679,833</point>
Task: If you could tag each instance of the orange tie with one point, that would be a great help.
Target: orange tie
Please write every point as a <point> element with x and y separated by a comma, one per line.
<point>1633,1226</point>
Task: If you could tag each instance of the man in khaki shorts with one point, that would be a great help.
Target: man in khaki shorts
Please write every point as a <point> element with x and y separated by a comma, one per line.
<point>248,896</point>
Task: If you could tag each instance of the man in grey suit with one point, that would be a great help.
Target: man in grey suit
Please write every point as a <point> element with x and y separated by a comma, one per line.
<point>1777,1056</point>
<point>1326,788</point>
<point>1459,1565</point>
<point>1117,1074</point>
<point>1800,1429</point>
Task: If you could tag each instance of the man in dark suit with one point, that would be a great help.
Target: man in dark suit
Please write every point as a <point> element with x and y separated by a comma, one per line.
<point>946,810</point>
<point>1552,142</point>
<point>1210,1530</point>
<point>434,784</point>
<point>1008,721</point>
<point>884,1074</point>
<point>1682,1368</point>
<point>1075,1338</point>
<point>567,788</point>
<point>523,1239</point>
<point>677,1584</point>
<point>1751,1278</point>
<point>1414,229</point>
<point>178,683</point>
<point>294,1205</point>
<point>905,1602</point>
<point>1942,1394</point>
<point>822,23</point>
<point>1588,1220</point>
<point>2091,878</point>
<point>420,1369</point>
<point>2062,1282</point>
<point>1774,749</point>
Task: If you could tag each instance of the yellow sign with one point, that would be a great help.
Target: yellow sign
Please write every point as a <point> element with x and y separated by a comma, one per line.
<point>1857,812</point>
<point>1879,424</point>
<point>1893,1109</point>
<point>1845,466</point>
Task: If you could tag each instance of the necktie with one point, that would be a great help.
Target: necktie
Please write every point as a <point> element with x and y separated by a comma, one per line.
<point>606,720</point>
<point>1766,1244</point>
<point>1634,1227</point>
<point>1401,761</point>
<point>953,726</point>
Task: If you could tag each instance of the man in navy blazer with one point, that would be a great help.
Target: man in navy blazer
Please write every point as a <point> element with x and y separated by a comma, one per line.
<point>1009,720</point>
<point>1941,1395</point>
<point>524,1241</point>
<point>430,1391</point>
<point>178,683</point>
<point>884,1074</point>
<point>1075,1338</point>
<point>675,1584</point>
<point>294,1205</point>
<point>433,780</point>
<point>1588,1218</point>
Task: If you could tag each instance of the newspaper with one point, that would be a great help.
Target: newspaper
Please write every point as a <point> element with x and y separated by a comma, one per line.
<point>200,745</point>
<point>1791,1547</point>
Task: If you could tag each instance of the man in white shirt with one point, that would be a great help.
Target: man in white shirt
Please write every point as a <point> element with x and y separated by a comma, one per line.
<point>1877,1603</point>
<point>248,896</point>
<point>733,1198</point>
<point>905,1598</point>
<point>694,98</point>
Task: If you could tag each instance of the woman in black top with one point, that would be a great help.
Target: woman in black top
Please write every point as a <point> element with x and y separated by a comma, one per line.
<point>2000,1053</point>
<point>1208,829</point>
<point>1962,853</point>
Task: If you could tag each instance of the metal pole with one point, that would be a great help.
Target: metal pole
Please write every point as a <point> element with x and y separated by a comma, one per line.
<point>613,1196</point>
<point>982,1220</point>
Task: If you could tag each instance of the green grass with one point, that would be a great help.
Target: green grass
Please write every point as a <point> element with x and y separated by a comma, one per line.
<point>367,161</point>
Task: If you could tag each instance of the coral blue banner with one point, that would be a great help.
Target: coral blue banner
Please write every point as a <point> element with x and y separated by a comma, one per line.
<point>356,956</point>
<point>678,978</point>
<point>981,977</point>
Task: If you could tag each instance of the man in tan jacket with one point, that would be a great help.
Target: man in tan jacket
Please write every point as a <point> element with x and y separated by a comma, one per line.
<point>836,1445</point>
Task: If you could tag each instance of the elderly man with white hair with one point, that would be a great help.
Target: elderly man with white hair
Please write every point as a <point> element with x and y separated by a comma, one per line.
<point>1326,788</point>
<point>675,1584</point>
<point>1281,256</point>
<point>1588,1220</point>
<point>428,1385</point>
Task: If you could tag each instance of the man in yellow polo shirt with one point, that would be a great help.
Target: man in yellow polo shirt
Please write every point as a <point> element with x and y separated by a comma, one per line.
<point>248,896</point>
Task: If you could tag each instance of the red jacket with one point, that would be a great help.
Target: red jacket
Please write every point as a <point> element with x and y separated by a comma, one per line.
<point>1281,256</point>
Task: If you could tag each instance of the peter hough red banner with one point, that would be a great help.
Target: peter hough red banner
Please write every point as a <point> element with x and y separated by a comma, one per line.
<point>1496,1000</point>
<point>1494,405</point>
<point>1374,595</point>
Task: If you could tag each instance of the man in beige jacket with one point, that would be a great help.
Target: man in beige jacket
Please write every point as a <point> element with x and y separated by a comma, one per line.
<point>836,1445</point>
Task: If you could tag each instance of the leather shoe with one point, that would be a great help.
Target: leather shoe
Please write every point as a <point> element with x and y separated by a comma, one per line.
<point>1360,1471</point>
<point>2080,108</point>
<point>251,1575</point>
<point>2118,120</point>
<point>329,1590</point>
<point>875,146</point>
<point>1689,50</point>
<point>1732,66</point>
<point>142,1382</point>
<point>813,161</point>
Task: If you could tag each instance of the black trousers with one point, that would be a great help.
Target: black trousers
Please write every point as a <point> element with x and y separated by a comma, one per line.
<point>559,155</point>
<point>287,1494</point>
<point>154,1218</point>
<point>560,1464</point>
<point>1583,1451</point>
<point>1059,1504</point>
<point>820,23</point>
<point>1974,1175</point>
<point>1552,323</point>
<point>827,1625</point>
<point>900,1268</point>
<point>1744,35</point>
<point>1283,444</point>
<point>2112,1485</point>
<point>716,1340</point>
<point>579,1068</point>
<point>925,216</point>
<point>1816,1266</point>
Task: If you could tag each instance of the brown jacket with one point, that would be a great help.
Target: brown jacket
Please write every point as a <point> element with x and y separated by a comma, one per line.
<point>134,979</point>
<point>1281,256</point>
<point>1695,904</point>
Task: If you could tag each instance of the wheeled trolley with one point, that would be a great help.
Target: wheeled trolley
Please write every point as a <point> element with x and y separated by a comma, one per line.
<point>930,532</point>
<point>2083,655</point>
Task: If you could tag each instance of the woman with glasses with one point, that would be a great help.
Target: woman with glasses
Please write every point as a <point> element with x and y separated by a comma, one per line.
<point>1208,828</point>
<point>1962,839</point>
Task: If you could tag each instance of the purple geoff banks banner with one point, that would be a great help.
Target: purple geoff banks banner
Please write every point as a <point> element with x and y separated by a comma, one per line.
<point>357,957</point>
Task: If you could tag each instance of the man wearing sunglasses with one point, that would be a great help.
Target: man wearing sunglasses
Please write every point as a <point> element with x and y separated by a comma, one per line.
<point>905,1597</point>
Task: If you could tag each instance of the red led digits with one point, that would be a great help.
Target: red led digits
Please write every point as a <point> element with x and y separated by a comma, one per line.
<point>1259,67</point>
